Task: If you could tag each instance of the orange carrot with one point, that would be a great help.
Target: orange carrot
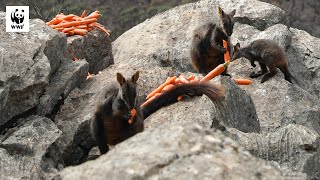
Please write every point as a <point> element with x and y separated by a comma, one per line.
<point>195,79</point>
<point>70,33</point>
<point>67,29</point>
<point>68,17</point>
<point>243,81</point>
<point>55,21</point>
<point>191,77</point>
<point>167,87</point>
<point>226,54</point>
<point>216,71</point>
<point>183,79</point>
<point>179,98</point>
<point>95,14</point>
<point>177,81</point>
<point>170,81</point>
<point>83,14</point>
<point>74,23</point>
<point>81,32</point>
<point>101,28</point>
<point>82,27</point>
<point>148,101</point>
<point>133,114</point>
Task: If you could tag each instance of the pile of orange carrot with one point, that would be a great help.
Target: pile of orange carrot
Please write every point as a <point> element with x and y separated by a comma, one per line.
<point>76,25</point>
<point>172,81</point>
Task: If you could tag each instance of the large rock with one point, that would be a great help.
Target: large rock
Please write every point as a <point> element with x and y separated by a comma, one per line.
<point>294,147</point>
<point>27,62</point>
<point>177,151</point>
<point>95,47</point>
<point>169,33</point>
<point>22,151</point>
<point>69,75</point>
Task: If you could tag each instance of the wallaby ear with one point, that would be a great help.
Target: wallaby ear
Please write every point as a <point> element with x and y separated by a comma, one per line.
<point>233,12</point>
<point>221,12</point>
<point>135,77</point>
<point>120,79</point>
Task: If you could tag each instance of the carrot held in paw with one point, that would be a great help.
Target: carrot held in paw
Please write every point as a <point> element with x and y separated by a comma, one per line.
<point>243,81</point>
<point>133,114</point>
<point>215,72</point>
<point>179,98</point>
<point>226,54</point>
<point>170,81</point>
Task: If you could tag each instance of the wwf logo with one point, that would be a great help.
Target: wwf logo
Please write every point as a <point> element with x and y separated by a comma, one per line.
<point>17,16</point>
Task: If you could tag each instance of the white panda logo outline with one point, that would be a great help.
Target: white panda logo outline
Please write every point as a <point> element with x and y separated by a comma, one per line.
<point>17,16</point>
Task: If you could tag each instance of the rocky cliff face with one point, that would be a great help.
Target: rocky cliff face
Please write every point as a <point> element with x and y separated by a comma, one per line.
<point>272,128</point>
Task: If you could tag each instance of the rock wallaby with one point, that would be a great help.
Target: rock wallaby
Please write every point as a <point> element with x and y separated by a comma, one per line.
<point>110,122</point>
<point>207,49</point>
<point>268,54</point>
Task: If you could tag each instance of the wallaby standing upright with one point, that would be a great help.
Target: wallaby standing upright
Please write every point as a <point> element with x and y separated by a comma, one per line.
<point>268,54</point>
<point>110,123</point>
<point>207,50</point>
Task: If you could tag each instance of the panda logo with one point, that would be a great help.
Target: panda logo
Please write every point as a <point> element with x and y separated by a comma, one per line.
<point>17,16</point>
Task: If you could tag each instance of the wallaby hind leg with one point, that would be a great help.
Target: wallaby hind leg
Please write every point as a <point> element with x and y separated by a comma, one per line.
<point>285,71</point>
<point>97,128</point>
<point>263,70</point>
<point>273,71</point>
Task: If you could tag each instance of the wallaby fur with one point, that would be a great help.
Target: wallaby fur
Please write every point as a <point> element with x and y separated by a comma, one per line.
<point>268,54</point>
<point>207,50</point>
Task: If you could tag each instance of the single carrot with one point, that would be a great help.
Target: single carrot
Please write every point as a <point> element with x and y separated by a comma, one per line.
<point>179,98</point>
<point>133,114</point>
<point>226,54</point>
<point>70,33</point>
<point>216,71</point>
<point>167,87</point>
<point>83,14</point>
<point>101,28</point>
<point>60,15</point>
<point>148,101</point>
<point>55,21</point>
<point>91,25</point>
<point>243,81</point>
<point>82,27</point>
<point>170,81</point>
<point>68,17</point>
<point>191,77</point>
<point>74,23</point>
<point>95,14</point>
<point>183,79</point>
<point>67,29</point>
<point>81,32</point>
<point>196,79</point>
<point>177,81</point>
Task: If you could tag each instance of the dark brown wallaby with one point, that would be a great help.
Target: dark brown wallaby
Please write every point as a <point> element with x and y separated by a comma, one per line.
<point>207,49</point>
<point>110,123</point>
<point>268,54</point>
